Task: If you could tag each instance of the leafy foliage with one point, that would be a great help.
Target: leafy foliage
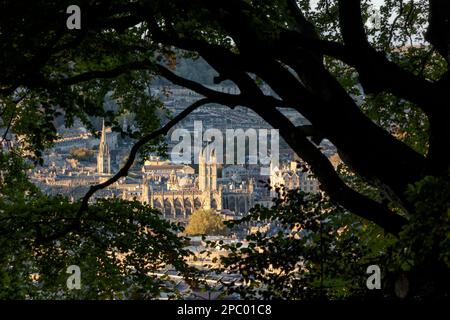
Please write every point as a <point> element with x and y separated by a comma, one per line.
<point>55,89</point>
<point>49,72</point>
<point>117,247</point>
<point>81,153</point>
<point>305,248</point>
<point>423,250</point>
<point>205,222</point>
<point>429,227</point>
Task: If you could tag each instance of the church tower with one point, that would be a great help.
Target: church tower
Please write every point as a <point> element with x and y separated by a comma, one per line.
<point>103,157</point>
<point>145,196</point>
<point>207,170</point>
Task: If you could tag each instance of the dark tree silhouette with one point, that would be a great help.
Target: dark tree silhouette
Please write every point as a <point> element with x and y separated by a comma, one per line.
<point>284,44</point>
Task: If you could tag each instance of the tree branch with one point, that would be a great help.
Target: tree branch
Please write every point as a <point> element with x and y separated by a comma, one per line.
<point>107,74</point>
<point>391,31</point>
<point>331,183</point>
<point>438,32</point>
<point>338,191</point>
<point>304,27</point>
<point>224,98</point>
<point>294,94</point>
<point>376,72</point>
<point>352,25</point>
<point>76,224</point>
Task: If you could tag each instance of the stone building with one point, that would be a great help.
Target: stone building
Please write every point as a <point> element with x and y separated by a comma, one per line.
<point>182,192</point>
<point>290,177</point>
<point>104,155</point>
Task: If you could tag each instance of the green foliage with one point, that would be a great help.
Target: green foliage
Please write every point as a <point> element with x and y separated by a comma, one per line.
<point>306,248</point>
<point>418,263</point>
<point>400,118</point>
<point>309,248</point>
<point>117,247</point>
<point>205,222</point>
<point>396,28</point>
<point>82,154</point>
<point>39,57</point>
<point>426,238</point>
<point>148,112</point>
<point>49,58</point>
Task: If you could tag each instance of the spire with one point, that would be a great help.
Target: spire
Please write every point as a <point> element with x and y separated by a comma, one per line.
<point>103,136</point>
<point>104,157</point>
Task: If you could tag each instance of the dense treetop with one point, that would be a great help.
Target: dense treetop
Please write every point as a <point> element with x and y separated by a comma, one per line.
<point>373,81</point>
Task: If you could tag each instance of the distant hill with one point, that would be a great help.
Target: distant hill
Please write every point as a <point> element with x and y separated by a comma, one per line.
<point>196,70</point>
